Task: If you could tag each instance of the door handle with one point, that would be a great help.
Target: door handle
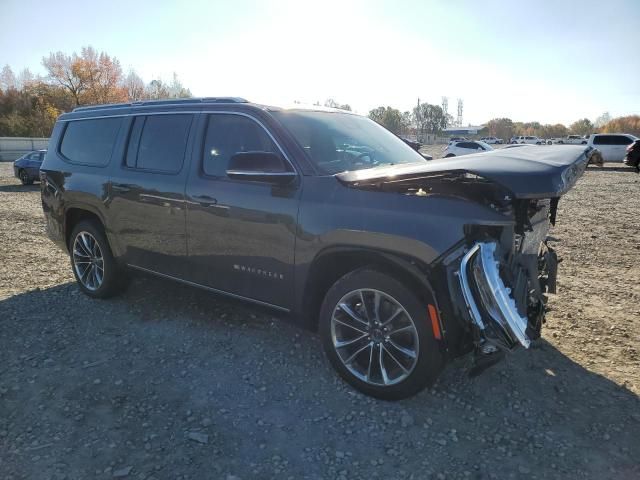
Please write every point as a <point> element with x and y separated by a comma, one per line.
<point>119,187</point>
<point>205,200</point>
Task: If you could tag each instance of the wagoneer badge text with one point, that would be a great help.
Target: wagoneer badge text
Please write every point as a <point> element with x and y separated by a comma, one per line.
<point>259,271</point>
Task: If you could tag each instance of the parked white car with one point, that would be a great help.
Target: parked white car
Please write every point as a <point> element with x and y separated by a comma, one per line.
<point>613,146</point>
<point>572,140</point>
<point>455,149</point>
<point>492,140</point>
<point>528,139</point>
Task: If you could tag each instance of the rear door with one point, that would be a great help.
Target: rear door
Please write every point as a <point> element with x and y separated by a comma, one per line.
<point>619,144</point>
<point>241,234</point>
<point>612,147</point>
<point>147,203</point>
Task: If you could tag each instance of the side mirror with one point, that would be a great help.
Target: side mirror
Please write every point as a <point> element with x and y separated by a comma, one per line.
<point>266,167</point>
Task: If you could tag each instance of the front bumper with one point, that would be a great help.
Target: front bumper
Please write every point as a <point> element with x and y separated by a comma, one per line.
<point>493,312</point>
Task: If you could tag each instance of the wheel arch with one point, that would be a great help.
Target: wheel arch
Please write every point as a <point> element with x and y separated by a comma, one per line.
<point>335,262</point>
<point>75,214</point>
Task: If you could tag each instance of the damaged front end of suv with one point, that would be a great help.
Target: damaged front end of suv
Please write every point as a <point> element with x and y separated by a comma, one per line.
<point>501,277</point>
<point>494,281</point>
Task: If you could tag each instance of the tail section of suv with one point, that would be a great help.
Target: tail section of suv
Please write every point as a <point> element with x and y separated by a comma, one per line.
<point>612,146</point>
<point>402,263</point>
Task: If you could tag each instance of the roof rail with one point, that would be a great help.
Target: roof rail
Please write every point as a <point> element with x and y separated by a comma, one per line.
<point>167,101</point>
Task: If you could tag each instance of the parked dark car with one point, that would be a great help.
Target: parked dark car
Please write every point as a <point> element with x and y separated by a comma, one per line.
<point>416,146</point>
<point>401,263</point>
<point>632,155</point>
<point>27,167</point>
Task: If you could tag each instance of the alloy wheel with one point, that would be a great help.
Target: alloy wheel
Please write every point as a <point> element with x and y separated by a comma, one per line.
<point>375,337</point>
<point>88,261</point>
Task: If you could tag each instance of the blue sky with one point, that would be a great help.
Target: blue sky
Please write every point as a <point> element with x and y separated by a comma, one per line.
<point>551,61</point>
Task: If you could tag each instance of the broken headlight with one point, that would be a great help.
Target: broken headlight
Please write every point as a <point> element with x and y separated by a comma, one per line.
<point>488,299</point>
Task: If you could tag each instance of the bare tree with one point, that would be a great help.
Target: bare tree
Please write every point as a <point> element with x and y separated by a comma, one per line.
<point>7,79</point>
<point>134,86</point>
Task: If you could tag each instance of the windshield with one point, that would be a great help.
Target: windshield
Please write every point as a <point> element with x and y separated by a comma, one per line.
<point>338,142</point>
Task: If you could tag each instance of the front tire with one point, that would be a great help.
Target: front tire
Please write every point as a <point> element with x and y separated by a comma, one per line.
<point>449,155</point>
<point>96,270</point>
<point>376,334</point>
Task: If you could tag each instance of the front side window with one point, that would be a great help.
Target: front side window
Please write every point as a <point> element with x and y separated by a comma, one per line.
<point>230,134</point>
<point>90,142</point>
<point>158,142</point>
<point>336,142</point>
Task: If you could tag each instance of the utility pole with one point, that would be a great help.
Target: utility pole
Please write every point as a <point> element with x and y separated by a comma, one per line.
<point>460,106</point>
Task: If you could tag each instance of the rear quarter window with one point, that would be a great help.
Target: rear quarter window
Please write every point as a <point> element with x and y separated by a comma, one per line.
<point>90,142</point>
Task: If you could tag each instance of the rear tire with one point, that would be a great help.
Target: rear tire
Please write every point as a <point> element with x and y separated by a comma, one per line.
<point>25,179</point>
<point>96,270</point>
<point>374,314</point>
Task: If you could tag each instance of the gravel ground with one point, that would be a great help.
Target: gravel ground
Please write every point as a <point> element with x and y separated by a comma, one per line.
<point>171,382</point>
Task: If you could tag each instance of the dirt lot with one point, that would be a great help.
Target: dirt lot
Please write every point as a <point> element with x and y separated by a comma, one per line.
<point>170,382</point>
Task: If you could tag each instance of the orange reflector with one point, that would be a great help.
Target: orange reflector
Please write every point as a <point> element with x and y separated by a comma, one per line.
<point>435,322</point>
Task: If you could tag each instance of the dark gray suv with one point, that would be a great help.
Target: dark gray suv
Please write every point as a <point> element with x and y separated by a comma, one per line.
<point>400,262</point>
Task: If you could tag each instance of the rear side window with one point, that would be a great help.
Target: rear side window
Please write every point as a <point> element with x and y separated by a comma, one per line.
<point>230,134</point>
<point>612,140</point>
<point>90,142</point>
<point>158,142</point>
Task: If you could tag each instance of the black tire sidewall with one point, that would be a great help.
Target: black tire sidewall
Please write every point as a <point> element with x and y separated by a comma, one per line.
<point>112,272</point>
<point>430,358</point>
<point>24,178</point>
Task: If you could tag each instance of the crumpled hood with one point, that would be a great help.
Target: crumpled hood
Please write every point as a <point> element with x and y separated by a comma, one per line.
<point>530,171</point>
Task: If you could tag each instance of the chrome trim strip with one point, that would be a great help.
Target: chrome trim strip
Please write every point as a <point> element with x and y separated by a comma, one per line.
<point>136,114</point>
<point>516,323</point>
<point>204,287</point>
<point>266,174</point>
<point>466,289</point>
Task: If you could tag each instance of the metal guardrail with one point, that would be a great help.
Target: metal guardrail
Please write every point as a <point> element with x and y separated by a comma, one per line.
<point>14,147</point>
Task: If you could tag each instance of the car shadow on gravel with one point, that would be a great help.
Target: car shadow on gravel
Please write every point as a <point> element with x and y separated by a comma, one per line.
<point>19,188</point>
<point>610,168</point>
<point>169,378</point>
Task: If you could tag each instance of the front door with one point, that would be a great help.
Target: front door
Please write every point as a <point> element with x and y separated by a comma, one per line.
<point>147,203</point>
<point>240,233</point>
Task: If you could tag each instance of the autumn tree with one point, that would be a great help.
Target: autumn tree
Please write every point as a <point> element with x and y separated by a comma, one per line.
<point>629,124</point>
<point>582,127</point>
<point>429,118</point>
<point>500,128</point>
<point>407,122</point>
<point>30,105</point>
<point>91,77</point>
<point>555,131</point>
<point>388,117</point>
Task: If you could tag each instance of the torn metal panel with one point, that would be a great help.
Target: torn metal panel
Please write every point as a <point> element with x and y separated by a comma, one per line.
<point>528,172</point>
